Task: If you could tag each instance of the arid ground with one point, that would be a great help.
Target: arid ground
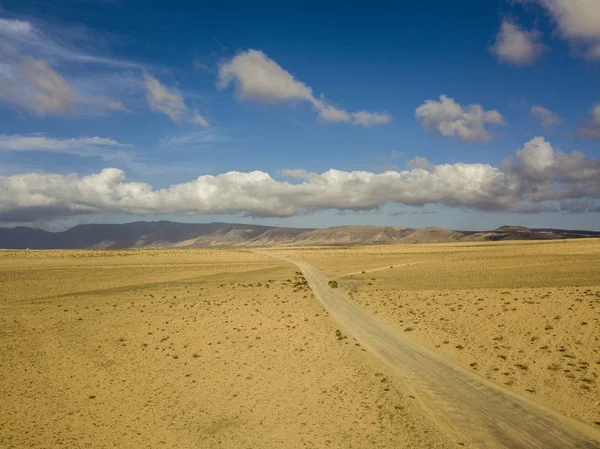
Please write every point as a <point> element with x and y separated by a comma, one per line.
<point>230,349</point>
<point>523,314</point>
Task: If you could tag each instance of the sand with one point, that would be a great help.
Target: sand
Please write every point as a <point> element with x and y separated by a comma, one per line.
<point>523,314</point>
<point>230,349</point>
<point>189,349</point>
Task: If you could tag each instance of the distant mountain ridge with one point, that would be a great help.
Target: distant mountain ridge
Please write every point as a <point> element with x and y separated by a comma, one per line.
<point>168,234</point>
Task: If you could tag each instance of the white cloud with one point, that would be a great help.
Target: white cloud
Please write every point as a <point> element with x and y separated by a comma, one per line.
<point>450,118</point>
<point>254,193</point>
<point>366,119</point>
<point>546,117</point>
<point>33,86</point>
<point>43,143</point>
<point>197,119</point>
<point>517,46</point>
<point>528,182</point>
<point>331,114</point>
<point>162,99</point>
<point>170,102</point>
<point>578,21</point>
<point>105,149</point>
<point>259,78</point>
<point>50,92</point>
<point>591,129</point>
<point>30,39</point>
<point>15,27</point>
<point>547,174</point>
<point>99,147</point>
<point>204,137</point>
<point>256,77</point>
<point>422,163</point>
<point>29,80</point>
<point>296,174</point>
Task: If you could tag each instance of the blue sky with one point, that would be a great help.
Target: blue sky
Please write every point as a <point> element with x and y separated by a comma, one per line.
<point>462,114</point>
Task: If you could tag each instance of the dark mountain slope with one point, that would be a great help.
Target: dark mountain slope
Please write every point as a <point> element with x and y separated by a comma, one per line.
<point>167,234</point>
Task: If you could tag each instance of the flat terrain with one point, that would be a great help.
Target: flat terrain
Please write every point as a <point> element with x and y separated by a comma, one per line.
<point>190,349</point>
<point>230,349</point>
<point>525,315</point>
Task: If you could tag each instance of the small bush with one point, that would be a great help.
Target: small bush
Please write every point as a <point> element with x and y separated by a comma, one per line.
<point>333,284</point>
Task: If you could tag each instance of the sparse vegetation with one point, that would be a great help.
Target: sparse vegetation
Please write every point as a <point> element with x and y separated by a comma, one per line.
<point>202,308</point>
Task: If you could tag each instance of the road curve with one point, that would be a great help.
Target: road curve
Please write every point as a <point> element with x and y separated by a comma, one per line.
<point>482,411</point>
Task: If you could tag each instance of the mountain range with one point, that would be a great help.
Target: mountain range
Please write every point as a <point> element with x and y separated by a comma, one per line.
<point>167,234</point>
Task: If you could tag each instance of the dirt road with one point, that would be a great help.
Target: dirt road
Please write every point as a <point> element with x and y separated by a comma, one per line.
<point>485,413</point>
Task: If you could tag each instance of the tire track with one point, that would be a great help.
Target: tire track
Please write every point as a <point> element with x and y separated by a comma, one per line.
<point>484,412</point>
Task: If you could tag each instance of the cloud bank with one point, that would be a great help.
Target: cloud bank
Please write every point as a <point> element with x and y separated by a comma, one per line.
<point>256,77</point>
<point>526,182</point>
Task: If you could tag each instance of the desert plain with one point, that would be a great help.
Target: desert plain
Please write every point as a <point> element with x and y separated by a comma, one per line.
<point>230,348</point>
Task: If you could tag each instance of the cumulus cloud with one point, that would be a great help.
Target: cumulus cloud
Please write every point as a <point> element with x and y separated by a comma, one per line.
<point>517,46</point>
<point>169,101</point>
<point>546,117</point>
<point>591,129</point>
<point>255,193</point>
<point>259,78</point>
<point>578,21</point>
<point>329,113</point>
<point>256,77</point>
<point>548,174</point>
<point>422,163</point>
<point>450,118</point>
<point>530,181</point>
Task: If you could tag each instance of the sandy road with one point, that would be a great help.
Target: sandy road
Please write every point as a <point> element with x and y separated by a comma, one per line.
<point>482,411</point>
